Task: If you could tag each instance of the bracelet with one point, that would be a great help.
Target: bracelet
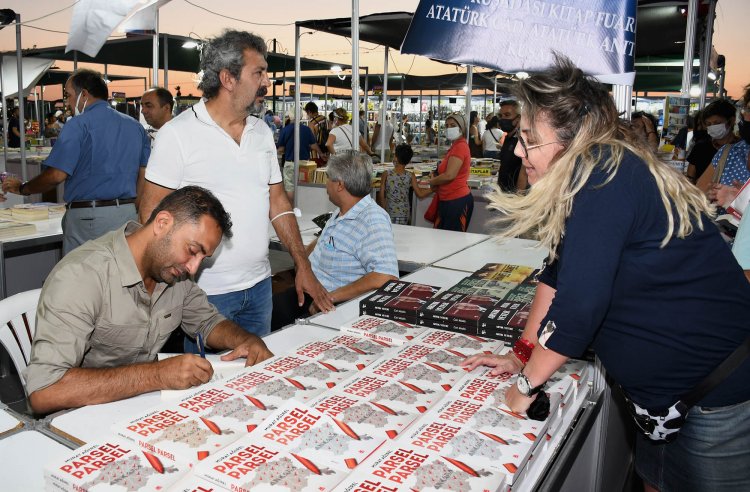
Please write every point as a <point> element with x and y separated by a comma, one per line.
<point>522,349</point>
<point>296,212</point>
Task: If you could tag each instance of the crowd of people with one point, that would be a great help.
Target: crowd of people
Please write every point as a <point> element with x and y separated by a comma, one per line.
<point>167,226</point>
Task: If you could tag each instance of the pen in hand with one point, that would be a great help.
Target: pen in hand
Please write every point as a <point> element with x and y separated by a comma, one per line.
<point>201,346</point>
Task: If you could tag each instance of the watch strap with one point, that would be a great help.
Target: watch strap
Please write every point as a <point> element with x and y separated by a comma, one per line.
<point>532,391</point>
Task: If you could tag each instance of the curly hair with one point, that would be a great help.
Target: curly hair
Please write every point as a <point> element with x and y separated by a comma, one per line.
<point>226,52</point>
<point>586,123</point>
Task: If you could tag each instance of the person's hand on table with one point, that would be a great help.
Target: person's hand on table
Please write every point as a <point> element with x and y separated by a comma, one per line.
<point>516,401</point>
<point>306,282</point>
<point>253,349</point>
<point>184,371</point>
<point>12,185</point>
<point>500,363</point>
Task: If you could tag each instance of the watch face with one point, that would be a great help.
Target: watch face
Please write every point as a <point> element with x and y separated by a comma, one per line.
<point>523,385</point>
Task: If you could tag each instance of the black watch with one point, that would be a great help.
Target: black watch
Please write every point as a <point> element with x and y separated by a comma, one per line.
<point>20,188</point>
<point>524,386</point>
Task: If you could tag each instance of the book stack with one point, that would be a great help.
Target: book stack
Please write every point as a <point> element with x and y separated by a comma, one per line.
<point>30,211</point>
<point>320,175</point>
<point>398,300</point>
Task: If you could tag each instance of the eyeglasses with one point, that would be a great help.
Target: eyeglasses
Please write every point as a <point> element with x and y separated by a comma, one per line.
<point>527,148</point>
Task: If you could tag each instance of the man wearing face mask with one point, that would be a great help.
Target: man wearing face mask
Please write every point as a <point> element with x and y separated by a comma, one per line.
<point>511,176</point>
<point>728,171</point>
<point>222,144</point>
<point>100,155</point>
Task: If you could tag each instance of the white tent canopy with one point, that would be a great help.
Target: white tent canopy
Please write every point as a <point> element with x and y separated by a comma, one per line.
<point>32,70</point>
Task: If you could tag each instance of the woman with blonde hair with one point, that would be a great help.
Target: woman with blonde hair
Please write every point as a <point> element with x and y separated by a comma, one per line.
<point>341,136</point>
<point>629,277</point>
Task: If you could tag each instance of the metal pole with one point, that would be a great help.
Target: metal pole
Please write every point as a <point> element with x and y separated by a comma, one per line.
<point>469,74</point>
<point>273,87</point>
<point>155,75</point>
<point>687,69</point>
<point>325,102</point>
<point>437,118</point>
<point>367,127</point>
<point>355,74</point>
<point>42,122</point>
<point>297,84</point>
<point>421,122</point>
<point>403,111</point>
<point>166,62</point>
<point>383,105</point>
<point>706,52</point>
<point>21,109</point>
<point>5,112</point>
<point>494,97</point>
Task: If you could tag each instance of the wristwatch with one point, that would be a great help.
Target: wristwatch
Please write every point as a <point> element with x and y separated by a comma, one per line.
<point>21,188</point>
<point>524,386</point>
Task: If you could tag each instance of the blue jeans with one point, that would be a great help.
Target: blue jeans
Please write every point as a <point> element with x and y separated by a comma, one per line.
<point>711,453</point>
<point>250,308</point>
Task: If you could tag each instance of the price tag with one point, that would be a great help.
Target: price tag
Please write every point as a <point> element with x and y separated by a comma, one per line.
<point>480,171</point>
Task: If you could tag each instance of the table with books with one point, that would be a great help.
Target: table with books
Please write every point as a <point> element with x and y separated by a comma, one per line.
<point>511,251</point>
<point>379,404</point>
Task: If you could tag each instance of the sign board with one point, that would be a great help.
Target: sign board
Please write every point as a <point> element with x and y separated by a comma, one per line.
<point>523,35</point>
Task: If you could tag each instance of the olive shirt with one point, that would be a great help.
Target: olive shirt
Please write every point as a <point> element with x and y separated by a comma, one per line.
<point>94,311</point>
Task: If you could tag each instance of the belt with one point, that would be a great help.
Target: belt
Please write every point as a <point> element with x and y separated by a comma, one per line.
<point>101,203</point>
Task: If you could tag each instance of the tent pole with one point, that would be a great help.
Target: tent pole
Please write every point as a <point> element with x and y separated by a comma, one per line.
<point>469,74</point>
<point>419,125</point>
<point>706,52</point>
<point>383,106</point>
<point>403,111</point>
<point>355,74</point>
<point>325,102</point>
<point>75,60</point>
<point>297,83</point>
<point>687,68</point>
<point>367,127</point>
<point>437,118</point>
<point>494,97</point>
<point>22,109</point>
<point>273,86</point>
<point>166,62</point>
<point>42,122</point>
<point>155,75</point>
<point>5,113</point>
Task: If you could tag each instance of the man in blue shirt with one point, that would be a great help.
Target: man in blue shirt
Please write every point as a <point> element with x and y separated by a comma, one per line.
<point>355,253</point>
<point>285,146</point>
<point>101,155</point>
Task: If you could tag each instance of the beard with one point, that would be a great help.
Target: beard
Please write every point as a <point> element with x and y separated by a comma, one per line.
<point>161,269</point>
<point>257,108</point>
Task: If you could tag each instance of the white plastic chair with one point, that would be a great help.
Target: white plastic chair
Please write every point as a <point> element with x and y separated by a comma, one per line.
<point>17,326</point>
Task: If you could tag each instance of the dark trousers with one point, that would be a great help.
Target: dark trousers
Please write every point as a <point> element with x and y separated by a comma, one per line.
<point>286,308</point>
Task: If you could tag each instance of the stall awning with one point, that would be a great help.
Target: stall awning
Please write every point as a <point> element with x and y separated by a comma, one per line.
<point>136,51</point>
<point>32,70</point>
<point>446,82</point>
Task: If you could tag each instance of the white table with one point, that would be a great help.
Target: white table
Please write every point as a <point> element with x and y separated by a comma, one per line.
<point>420,246</point>
<point>25,261</point>
<point>511,251</point>
<point>93,422</point>
<point>23,457</point>
<point>9,422</point>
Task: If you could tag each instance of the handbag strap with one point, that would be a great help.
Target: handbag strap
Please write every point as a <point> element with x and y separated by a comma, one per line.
<point>722,162</point>
<point>718,375</point>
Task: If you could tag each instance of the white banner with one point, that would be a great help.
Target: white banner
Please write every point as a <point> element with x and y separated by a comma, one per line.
<point>31,68</point>
<point>93,21</point>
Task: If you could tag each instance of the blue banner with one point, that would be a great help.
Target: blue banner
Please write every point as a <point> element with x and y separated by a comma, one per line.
<point>521,35</point>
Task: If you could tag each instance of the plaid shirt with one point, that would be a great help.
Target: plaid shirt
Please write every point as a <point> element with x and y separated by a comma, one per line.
<point>353,245</point>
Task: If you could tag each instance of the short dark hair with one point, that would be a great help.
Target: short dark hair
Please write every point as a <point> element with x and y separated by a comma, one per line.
<point>226,51</point>
<point>163,95</point>
<point>190,203</point>
<point>720,107</point>
<point>311,107</point>
<point>404,153</point>
<point>510,102</point>
<point>494,121</point>
<point>90,80</point>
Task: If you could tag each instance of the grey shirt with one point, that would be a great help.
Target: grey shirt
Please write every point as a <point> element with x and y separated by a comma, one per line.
<point>94,311</point>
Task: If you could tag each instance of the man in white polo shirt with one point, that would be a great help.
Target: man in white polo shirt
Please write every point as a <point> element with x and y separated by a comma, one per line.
<point>219,144</point>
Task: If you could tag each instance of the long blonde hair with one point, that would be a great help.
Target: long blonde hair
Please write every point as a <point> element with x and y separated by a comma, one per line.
<point>586,122</point>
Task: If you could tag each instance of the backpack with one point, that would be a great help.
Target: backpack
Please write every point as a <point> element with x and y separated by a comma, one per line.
<point>322,131</point>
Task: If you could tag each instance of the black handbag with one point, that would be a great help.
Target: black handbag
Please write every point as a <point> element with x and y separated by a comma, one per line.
<point>664,426</point>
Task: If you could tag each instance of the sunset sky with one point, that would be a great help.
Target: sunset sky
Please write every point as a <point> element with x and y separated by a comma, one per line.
<point>182,18</point>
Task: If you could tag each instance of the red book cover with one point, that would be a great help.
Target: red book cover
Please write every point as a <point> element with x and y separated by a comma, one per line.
<point>398,300</point>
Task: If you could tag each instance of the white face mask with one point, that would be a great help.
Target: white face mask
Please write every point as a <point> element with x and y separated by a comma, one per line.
<point>78,99</point>
<point>718,131</point>
<point>453,133</point>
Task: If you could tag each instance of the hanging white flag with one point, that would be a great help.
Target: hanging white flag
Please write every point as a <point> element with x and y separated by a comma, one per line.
<point>93,21</point>
<point>144,18</point>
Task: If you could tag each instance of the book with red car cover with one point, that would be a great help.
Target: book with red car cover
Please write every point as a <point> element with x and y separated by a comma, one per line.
<point>456,312</point>
<point>505,321</point>
<point>439,377</point>
<point>397,300</point>
<point>175,433</point>
<point>308,375</point>
<point>402,466</point>
<point>335,356</point>
<point>382,330</point>
<point>390,395</point>
<point>253,465</point>
<point>115,465</point>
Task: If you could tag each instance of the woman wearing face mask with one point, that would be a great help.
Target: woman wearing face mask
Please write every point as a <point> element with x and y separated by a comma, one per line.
<point>456,202</point>
<point>722,180</point>
<point>624,279</point>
